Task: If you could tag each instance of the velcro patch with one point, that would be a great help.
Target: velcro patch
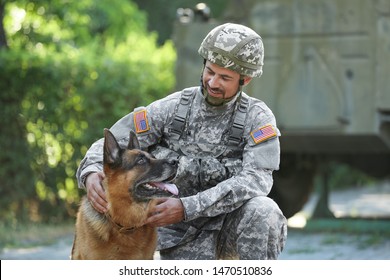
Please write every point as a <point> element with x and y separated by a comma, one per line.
<point>263,133</point>
<point>140,121</point>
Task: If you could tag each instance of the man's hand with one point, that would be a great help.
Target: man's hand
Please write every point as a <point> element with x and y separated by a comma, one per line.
<point>166,212</point>
<point>95,191</point>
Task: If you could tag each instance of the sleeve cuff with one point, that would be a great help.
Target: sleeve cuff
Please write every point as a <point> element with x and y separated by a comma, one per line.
<point>84,174</point>
<point>190,206</point>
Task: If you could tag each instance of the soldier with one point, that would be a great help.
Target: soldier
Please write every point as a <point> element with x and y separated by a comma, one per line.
<point>227,146</point>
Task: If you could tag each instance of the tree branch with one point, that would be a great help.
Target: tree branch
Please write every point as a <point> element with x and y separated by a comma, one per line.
<point>3,38</point>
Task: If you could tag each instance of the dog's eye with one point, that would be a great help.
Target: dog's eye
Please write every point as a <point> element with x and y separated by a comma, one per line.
<point>141,160</point>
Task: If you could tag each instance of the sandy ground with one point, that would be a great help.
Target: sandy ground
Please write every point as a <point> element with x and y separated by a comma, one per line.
<point>301,244</point>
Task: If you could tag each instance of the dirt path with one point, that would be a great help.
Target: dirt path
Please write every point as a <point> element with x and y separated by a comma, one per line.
<point>58,251</point>
<point>301,244</point>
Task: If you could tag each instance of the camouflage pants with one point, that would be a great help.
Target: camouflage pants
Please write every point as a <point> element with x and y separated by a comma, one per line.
<point>255,231</point>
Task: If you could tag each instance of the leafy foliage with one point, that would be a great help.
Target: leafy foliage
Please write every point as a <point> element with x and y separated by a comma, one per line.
<point>72,68</point>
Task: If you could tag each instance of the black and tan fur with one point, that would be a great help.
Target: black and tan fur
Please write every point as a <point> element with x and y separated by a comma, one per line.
<point>121,233</point>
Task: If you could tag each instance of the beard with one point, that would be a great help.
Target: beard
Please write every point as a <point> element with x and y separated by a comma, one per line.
<point>216,101</point>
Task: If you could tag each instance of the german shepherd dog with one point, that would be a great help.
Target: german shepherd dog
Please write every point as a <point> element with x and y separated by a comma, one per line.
<point>132,179</point>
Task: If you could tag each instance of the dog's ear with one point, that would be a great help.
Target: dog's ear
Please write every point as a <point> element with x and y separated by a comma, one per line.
<point>111,147</point>
<point>133,141</point>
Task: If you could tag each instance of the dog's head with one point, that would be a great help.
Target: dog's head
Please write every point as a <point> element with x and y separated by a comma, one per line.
<point>144,176</point>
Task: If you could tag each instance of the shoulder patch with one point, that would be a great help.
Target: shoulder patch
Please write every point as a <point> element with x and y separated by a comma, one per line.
<point>263,133</point>
<point>140,121</point>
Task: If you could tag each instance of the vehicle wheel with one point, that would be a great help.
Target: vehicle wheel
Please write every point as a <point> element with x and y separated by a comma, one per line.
<point>293,184</point>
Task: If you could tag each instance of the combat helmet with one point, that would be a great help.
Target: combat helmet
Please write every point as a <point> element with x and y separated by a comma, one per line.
<point>235,47</point>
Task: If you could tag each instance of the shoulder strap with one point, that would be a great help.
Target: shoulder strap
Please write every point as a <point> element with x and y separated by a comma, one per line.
<point>181,114</point>
<point>237,128</point>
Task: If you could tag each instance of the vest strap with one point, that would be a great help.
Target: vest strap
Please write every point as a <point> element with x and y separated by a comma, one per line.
<point>180,119</point>
<point>237,128</point>
<point>181,114</point>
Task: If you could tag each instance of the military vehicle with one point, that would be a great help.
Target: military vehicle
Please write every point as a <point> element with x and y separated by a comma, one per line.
<point>326,78</point>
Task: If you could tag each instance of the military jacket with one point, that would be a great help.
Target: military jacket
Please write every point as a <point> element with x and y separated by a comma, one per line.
<point>244,169</point>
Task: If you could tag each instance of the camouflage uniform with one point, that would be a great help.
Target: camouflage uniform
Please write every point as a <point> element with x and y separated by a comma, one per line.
<point>223,180</point>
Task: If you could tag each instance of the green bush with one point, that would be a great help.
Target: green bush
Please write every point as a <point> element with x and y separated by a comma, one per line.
<point>55,102</point>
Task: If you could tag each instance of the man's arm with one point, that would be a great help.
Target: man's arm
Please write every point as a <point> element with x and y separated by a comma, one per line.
<point>90,171</point>
<point>255,179</point>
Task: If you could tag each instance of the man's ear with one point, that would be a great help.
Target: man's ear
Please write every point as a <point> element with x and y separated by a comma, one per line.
<point>246,80</point>
<point>133,141</point>
<point>111,148</point>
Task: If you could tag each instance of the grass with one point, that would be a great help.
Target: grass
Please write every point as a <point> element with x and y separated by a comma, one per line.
<point>332,240</point>
<point>363,241</point>
<point>350,225</point>
<point>303,251</point>
<point>371,241</point>
<point>34,234</point>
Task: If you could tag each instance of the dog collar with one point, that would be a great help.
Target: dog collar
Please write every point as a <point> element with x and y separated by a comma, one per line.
<point>119,227</point>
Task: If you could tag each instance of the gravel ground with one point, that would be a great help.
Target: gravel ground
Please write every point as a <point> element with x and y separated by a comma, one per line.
<point>302,244</point>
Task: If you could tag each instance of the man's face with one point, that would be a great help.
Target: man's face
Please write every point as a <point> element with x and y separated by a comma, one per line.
<point>220,83</point>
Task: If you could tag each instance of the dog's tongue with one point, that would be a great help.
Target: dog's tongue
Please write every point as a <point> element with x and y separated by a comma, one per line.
<point>167,187</point>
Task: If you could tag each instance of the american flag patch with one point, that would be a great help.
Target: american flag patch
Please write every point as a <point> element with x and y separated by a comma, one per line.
<point>140,121</point>
<point>263,133</point>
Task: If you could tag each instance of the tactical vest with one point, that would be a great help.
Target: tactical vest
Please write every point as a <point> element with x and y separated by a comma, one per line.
<point>230,147</point>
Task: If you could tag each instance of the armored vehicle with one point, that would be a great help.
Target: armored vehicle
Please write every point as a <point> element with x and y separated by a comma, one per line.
<point>326,78</point>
